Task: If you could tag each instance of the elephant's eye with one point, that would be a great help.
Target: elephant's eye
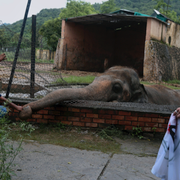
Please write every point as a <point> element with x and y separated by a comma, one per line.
<point>117,88</point>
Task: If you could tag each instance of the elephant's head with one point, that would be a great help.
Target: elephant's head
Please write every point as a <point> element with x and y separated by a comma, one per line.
<point>116,84</point>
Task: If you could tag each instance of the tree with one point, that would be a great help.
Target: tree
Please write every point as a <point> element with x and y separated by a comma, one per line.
<point>76,8</point>
<point>51,30</point>
<point>163,7</point>
<point>3,38</point>
<point>107,6</point>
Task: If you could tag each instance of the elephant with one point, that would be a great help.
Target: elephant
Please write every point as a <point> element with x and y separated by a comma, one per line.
<point>118,83</point>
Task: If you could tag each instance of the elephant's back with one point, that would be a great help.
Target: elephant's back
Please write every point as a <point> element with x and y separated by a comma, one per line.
<point>162,95</point>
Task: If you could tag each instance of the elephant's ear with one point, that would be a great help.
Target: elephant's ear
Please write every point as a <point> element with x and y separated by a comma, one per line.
<point>139,95</point>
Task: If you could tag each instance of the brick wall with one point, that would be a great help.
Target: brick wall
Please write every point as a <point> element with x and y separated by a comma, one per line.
<point>98,117</point>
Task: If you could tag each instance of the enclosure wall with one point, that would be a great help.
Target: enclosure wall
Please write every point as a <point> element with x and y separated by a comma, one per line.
<point>98,118</point>
<point>161,61</point>
<point>156,30</point>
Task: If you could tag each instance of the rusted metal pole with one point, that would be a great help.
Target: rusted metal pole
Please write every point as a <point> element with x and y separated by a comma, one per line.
<point>17,49</point>
<point>33,52</point>
<point>65,63</point>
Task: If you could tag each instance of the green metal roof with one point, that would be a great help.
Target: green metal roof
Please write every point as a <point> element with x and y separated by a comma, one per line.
<point>157,14</point>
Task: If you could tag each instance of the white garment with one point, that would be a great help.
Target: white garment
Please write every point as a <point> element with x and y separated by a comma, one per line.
<point>167,165</point>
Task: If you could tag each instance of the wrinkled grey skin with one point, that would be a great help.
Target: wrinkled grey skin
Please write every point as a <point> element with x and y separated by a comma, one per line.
<point>116,84</point>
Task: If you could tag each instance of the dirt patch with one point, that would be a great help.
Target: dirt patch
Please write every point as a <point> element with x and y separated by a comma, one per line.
<point>111,140</point>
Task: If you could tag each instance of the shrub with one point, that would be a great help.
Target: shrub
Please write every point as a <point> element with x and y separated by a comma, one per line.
<point>8,151</point>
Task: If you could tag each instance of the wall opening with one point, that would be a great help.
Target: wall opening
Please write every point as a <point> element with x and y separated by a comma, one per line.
<point>90,46</point>
<point>129,45</point>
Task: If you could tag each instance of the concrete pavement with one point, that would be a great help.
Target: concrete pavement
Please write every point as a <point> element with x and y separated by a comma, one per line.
<point>51,162</point>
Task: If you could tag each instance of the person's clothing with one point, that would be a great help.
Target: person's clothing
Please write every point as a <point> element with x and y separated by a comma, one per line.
<point>167,163</point>
<point>3,111</point>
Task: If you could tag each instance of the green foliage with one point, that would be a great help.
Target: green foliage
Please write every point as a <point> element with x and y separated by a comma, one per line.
<point>61,126</point>
<point>3,38</point>
<point>26,40</point>
<point>76,8</point>
<point>51,31</point>
<point>110,132</point>
<point>48,27</point>
<point>26,126</point>
<point>173,16</point>
<point>104,135</point>
<point>8,151</point>
<point>154,130</point>
<point>164,8</point>
<point>97,7</point>
<point>107,6</point>
<point>142,6</point>
<point>137,132</point>
<point>12,31</point>
<point>43,16</point>
<point>24,55</point>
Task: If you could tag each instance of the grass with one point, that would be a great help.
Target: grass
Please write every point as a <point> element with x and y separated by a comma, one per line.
<point>172,87</point>
<point>76,79</point>
<point>167,84</point>
<point>175,81</point>
<point>67,136</point>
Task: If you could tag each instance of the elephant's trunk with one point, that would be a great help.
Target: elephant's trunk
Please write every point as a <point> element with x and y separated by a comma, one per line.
<point>98,90</point>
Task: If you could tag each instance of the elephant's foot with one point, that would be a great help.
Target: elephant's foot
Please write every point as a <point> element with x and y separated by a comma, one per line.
<point>25,113</point>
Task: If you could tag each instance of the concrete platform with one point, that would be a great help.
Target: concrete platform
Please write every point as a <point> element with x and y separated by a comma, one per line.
<point>51,162</point>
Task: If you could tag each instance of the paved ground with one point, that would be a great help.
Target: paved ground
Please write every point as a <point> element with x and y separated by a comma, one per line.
<point>51,162</point>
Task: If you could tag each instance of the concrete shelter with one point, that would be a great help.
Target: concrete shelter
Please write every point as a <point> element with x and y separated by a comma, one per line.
<point>119,39</point>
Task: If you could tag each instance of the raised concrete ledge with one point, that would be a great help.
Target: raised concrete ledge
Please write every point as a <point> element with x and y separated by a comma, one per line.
<point>125,106</point>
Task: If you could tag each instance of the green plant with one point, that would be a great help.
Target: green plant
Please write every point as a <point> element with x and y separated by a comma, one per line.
<point>154,130</point>
<point>137,132</point>
<point>61,126</point>
<point>105,135</point>
<point>8,151</point>
<point>26,126</point>
<point>110,132</point>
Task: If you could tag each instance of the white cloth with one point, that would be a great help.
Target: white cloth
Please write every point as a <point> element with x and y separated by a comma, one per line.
<point>167,165</point>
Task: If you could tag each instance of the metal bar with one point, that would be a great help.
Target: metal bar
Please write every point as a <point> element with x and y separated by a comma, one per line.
<point>17,49</point>
<point>33,43</point>
<point>65,63</point>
